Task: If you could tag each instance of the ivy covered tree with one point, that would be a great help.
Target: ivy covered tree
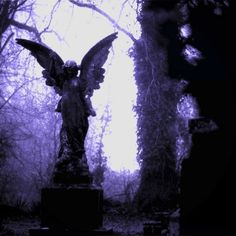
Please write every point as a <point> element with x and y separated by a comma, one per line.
<point>164,55</point>
<point>157,99</point>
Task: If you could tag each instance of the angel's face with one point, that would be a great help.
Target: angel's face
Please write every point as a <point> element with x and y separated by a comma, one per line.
<point>71,68</point>
<point>71,71</point>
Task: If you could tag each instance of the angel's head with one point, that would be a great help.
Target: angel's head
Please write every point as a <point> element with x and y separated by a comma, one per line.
<point>71,68</point>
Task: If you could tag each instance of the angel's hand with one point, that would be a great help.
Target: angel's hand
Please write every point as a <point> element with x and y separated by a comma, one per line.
<point>45,74</point>
<point>92,113</point>
<point>49,80</point>
<point>58,90</point>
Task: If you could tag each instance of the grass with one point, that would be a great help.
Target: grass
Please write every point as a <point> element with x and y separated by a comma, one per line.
<point>124,225</point>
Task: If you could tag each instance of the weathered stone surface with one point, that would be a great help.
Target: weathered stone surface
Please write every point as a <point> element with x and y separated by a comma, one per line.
<point>72,208</point>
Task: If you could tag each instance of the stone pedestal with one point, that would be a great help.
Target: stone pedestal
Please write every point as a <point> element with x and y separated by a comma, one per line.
<point>72,208</point>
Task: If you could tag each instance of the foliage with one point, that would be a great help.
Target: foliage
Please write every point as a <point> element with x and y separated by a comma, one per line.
<point>157,99</point>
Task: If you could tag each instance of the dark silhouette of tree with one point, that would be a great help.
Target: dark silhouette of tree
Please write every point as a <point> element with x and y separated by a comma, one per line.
<point>208,174</point>
<point>162,60</point>
<point>157,99</point>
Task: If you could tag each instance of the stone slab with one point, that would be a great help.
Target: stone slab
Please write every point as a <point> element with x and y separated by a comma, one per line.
<point>72,208</point>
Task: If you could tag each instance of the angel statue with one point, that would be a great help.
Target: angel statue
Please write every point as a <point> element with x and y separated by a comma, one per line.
<point>75,104</point>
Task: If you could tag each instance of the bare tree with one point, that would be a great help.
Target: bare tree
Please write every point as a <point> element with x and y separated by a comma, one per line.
<point>95,8</point>
<point>21,116</point>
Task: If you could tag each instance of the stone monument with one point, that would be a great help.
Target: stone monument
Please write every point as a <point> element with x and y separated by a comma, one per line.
<point>72,205</point>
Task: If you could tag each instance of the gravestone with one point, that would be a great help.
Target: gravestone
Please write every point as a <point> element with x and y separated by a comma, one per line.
<point>71,209</point>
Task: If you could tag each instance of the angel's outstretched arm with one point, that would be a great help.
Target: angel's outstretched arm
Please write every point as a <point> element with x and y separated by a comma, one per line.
<point>90,110</point>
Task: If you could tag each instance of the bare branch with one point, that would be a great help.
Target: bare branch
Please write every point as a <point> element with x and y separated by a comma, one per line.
<point>7,13</point>
<point>21,4</point>
<point>4,15</point>
<point>26,27</point>
<point>101,12</point>
<point>122,9</point>
<point>6,42</point>
<point>54,32</point>
<point>8,99</point>
<point>56,5</point>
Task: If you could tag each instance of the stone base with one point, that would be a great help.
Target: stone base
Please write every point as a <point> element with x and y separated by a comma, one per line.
<point>71,208</point>
<point>72,179</point>
<point>49,232</point>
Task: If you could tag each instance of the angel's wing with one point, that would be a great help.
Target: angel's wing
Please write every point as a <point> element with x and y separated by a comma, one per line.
<point>48,59</point>
<point>91,74</point>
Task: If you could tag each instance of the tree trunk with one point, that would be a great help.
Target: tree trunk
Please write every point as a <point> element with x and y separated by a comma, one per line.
<point>157,98</point>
